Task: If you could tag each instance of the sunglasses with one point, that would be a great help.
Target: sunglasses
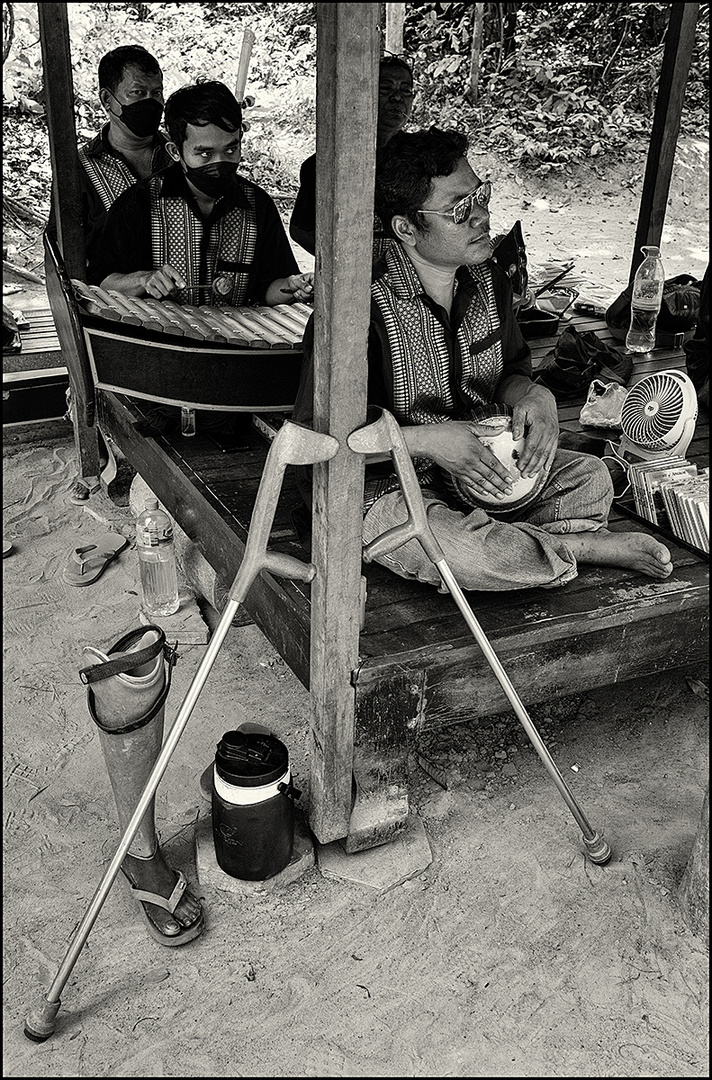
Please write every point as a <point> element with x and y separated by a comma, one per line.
<point>460,212</point>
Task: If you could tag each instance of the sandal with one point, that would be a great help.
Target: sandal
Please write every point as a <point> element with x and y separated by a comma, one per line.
<point>85,565</point>
<point>171,941</point>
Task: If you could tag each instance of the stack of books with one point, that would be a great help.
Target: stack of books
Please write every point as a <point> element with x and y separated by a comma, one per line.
<point>674,494</point>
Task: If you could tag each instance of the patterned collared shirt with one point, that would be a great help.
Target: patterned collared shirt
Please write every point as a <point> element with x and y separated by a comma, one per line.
<point>427,367</point>
<point>158,220</point>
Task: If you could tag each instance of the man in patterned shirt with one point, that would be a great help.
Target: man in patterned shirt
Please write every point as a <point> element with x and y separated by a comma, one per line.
<point>130,145</point>
<point>444,349</point>
<point>198,232</point>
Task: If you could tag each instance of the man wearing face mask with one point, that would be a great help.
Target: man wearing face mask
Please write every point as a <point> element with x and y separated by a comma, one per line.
<point>198,232</point>
<point>130,145</point>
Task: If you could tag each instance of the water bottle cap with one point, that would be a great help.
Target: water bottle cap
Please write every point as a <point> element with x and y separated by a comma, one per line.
<point>151,504</point>
<point>654,251</point>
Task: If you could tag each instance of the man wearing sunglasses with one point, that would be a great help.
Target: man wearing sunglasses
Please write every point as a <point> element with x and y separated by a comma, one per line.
<point>445,350</point>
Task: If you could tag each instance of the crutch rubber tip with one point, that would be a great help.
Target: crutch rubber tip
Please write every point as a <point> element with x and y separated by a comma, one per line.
<point>40,1022</point>
<point>597,850</point>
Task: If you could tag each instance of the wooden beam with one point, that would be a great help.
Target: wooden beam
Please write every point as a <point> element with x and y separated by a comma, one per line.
<point>395,21</point>
<point>59,101</point>
<point>679,44</point>
<point>66,199</point>
<point>347,102</point>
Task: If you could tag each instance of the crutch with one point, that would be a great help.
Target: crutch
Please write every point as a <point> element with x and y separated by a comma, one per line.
<point>385,436</point>
<point>292,445</point>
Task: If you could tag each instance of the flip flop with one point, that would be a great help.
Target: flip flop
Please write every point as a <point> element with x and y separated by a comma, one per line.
<point>188,933</point>
<point>85,565</point>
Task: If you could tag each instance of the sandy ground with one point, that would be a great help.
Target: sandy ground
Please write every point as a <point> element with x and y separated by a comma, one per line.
<point>509,955</point>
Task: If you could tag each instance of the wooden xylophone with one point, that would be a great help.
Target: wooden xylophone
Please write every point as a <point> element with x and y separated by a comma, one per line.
<point>281,327</point>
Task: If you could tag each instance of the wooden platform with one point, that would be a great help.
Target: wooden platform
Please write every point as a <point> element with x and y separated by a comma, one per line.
<point>419,666</point>
<point>35,378</point>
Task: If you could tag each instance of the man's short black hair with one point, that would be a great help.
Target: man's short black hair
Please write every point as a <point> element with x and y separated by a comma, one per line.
<point>405,168</point>
<point>391,62</point>
<point>200,104</point>
<point>114,63</point>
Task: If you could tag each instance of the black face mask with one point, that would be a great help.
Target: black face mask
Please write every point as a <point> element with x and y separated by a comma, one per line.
<point>143,117</point>
<point>212,180</point>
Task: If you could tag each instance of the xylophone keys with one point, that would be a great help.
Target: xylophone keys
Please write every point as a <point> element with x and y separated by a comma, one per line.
<point>206,315</point>
<point>192,326</point>
<point>93,303</point>
<point>232,333</point>
<point>255,338</point>
<point>165,321</point>
<point>123,305</point>
<point>294,324</point>
<point>274,338</point>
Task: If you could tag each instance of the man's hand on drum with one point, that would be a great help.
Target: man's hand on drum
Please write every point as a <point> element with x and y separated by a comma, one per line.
<point>535,417</point>
<point>163,283</point>
<point>455,448</point>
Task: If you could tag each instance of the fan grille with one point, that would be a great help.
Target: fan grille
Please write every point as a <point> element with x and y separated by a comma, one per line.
<point>651,410</point>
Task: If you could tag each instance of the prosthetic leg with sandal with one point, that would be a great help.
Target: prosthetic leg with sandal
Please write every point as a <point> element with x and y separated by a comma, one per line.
<point>126,694</point>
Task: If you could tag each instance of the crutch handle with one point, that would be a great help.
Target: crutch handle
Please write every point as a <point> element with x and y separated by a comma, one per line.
<point>385,436</point>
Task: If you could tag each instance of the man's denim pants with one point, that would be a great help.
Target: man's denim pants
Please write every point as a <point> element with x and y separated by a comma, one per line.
<point>491,554</point>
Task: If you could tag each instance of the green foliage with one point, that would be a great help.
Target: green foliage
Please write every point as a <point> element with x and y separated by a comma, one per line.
<point>580,80</point>
<point>576,82</point>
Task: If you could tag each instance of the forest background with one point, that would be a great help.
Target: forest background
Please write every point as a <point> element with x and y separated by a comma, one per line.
<point>562,88</point>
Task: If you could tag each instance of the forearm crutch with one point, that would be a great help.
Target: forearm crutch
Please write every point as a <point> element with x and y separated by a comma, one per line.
<point>385,436</point>
<point>292,445</point>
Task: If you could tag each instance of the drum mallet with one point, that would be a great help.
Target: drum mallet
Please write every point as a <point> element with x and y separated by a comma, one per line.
<point>385,436</point>
<point>292,445</point>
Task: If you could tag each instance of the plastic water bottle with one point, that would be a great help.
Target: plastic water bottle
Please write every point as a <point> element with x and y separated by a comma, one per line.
<point>157,561</point>
<point>645,302</point>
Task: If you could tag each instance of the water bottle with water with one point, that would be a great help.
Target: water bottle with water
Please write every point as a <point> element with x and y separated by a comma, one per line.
<point>645,302</point>
<point>157,561</point>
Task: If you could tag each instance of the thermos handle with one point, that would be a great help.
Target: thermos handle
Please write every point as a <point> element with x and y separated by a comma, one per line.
<point>289,790</point>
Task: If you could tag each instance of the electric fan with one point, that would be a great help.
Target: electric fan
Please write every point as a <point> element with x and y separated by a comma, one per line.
<point>657,421</point>
<point>658,417</point>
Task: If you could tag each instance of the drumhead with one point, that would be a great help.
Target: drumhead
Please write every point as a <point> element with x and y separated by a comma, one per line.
<point>496,433</point>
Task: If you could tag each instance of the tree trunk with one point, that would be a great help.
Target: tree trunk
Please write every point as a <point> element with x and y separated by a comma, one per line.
<point>476,50</point>
<point>395,19</point>
<point>694,891</point>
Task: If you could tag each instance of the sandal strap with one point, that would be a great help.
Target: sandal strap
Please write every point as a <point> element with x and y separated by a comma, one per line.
<point>168,904</point>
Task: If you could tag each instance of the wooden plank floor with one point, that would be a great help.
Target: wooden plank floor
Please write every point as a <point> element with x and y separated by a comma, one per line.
<point>419,665</point>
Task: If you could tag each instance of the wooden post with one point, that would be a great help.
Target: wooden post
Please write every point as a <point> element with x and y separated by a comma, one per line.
<point>347,93</point>
<point>679,44</point>
<point>395,21</point>
<point>479,17</point>
<point>59,101</point>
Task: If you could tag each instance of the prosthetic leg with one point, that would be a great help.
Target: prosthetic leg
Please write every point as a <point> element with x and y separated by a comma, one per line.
<point>126,694</point>
<point>292,445</point>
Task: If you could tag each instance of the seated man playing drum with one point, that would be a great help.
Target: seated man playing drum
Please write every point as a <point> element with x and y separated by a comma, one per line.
<point>444,354</point>
<point>198,232</point>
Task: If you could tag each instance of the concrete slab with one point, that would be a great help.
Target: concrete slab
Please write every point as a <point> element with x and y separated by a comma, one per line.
<point>186,626</point>
<point>380,868</point>
<point>211,875</point>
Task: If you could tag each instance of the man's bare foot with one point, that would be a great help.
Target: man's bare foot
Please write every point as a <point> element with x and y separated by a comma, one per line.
<point>636,550</point>
<point>155,876</point>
